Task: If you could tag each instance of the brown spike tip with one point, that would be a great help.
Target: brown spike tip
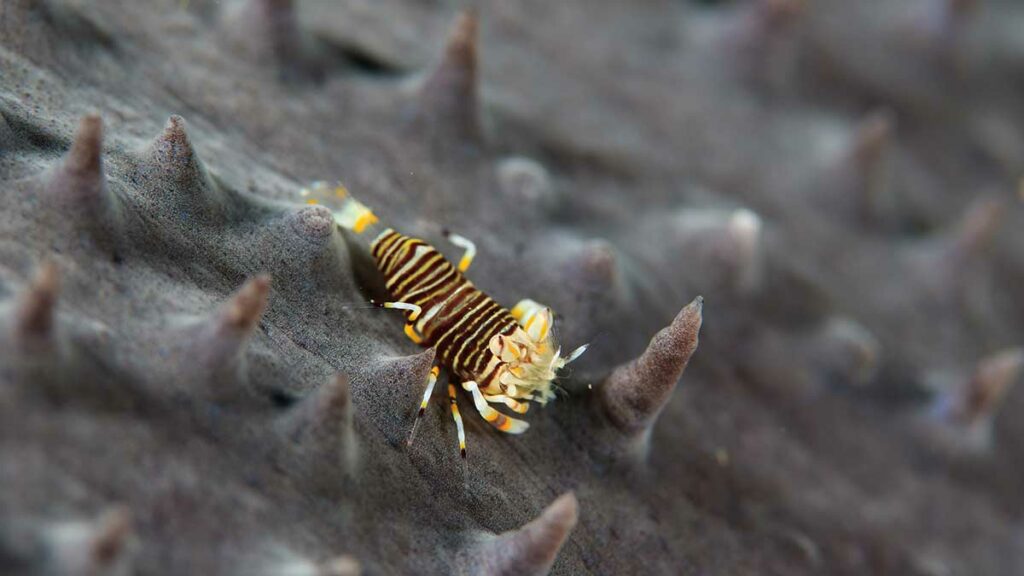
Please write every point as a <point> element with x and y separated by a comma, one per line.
<point>873,134</point>
<point>173,158</point>
<point>243,311</point>
<point>79,178</point>
<point>173,143</point>
<point>531,550</point>
<point>634,394</point>
<point>112,534</point>
<point>598,263</point>
<point>448,98</point>
<point>85,157</point>
<point>35,312</point>
<point>979,225</point>
<point>992,378</point>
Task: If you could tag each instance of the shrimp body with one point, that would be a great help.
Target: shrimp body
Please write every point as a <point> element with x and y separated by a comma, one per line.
<point>501,356</point>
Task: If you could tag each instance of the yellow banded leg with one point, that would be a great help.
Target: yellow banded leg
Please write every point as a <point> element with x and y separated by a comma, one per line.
<point>410,331</point>
<point>414,313</point>
<point>518,407</point>
<point>458,420</point>
<point>497,419</point>
<point>414,310</point>
<point>431,380</point>
<point>467,245</point>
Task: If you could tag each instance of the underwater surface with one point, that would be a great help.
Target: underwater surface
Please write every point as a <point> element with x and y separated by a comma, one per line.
<point>711,287</point>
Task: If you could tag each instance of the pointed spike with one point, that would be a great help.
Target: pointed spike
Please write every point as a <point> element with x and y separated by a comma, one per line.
<point>448,98</point>
<point>778,14</point>
<point>599,264</point>
<point>978,227</point>
<point>532,549</point>
<point>100,547</point>
<point>173,158</point>
<point>763,42</point>
<point>243,311</point>
<point>745,230</point>
<point>79,179</point>
<point>873,134</point>
<point>35,312</point>
<point>270,30</point>
<point>862,176</point>
<point>111,537</point>
<point>981,395</point>
<point>635,393</point>
<point>175,184</point>
<point>846,351</point>
<point>951,16</point>
<point>726,246</point>
<point>213,351</point>
<point>77,187</point>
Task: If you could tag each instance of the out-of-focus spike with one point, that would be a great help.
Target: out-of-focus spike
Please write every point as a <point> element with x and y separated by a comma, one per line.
<point>598,266</point>
<point>978,226</point>
<point>868,157</point>
<point>944,24</point>
<point>744,229</point>
<point>78,185</point>
<point>321,432</point>
<point>269,30</point>
<point>979,397</point>
<point>772,16</point>
<point>80,176</point>
<point>765,41</point>
<point>635,393</point>
<point>845,352</point>
<point>530,550</point>
<point>959,422</point>
<point>33,324</point>
<point>526,182</point>
<point>448,98</point>
<point>725,246</point>
<point>243,311</point>
<point>99,548</point>
<point>111,537</point>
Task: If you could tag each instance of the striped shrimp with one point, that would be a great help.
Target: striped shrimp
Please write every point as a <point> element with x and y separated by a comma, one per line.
<point>500,356</point>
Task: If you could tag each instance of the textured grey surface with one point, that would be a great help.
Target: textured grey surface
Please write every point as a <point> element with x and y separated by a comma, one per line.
<point>837,179</point>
